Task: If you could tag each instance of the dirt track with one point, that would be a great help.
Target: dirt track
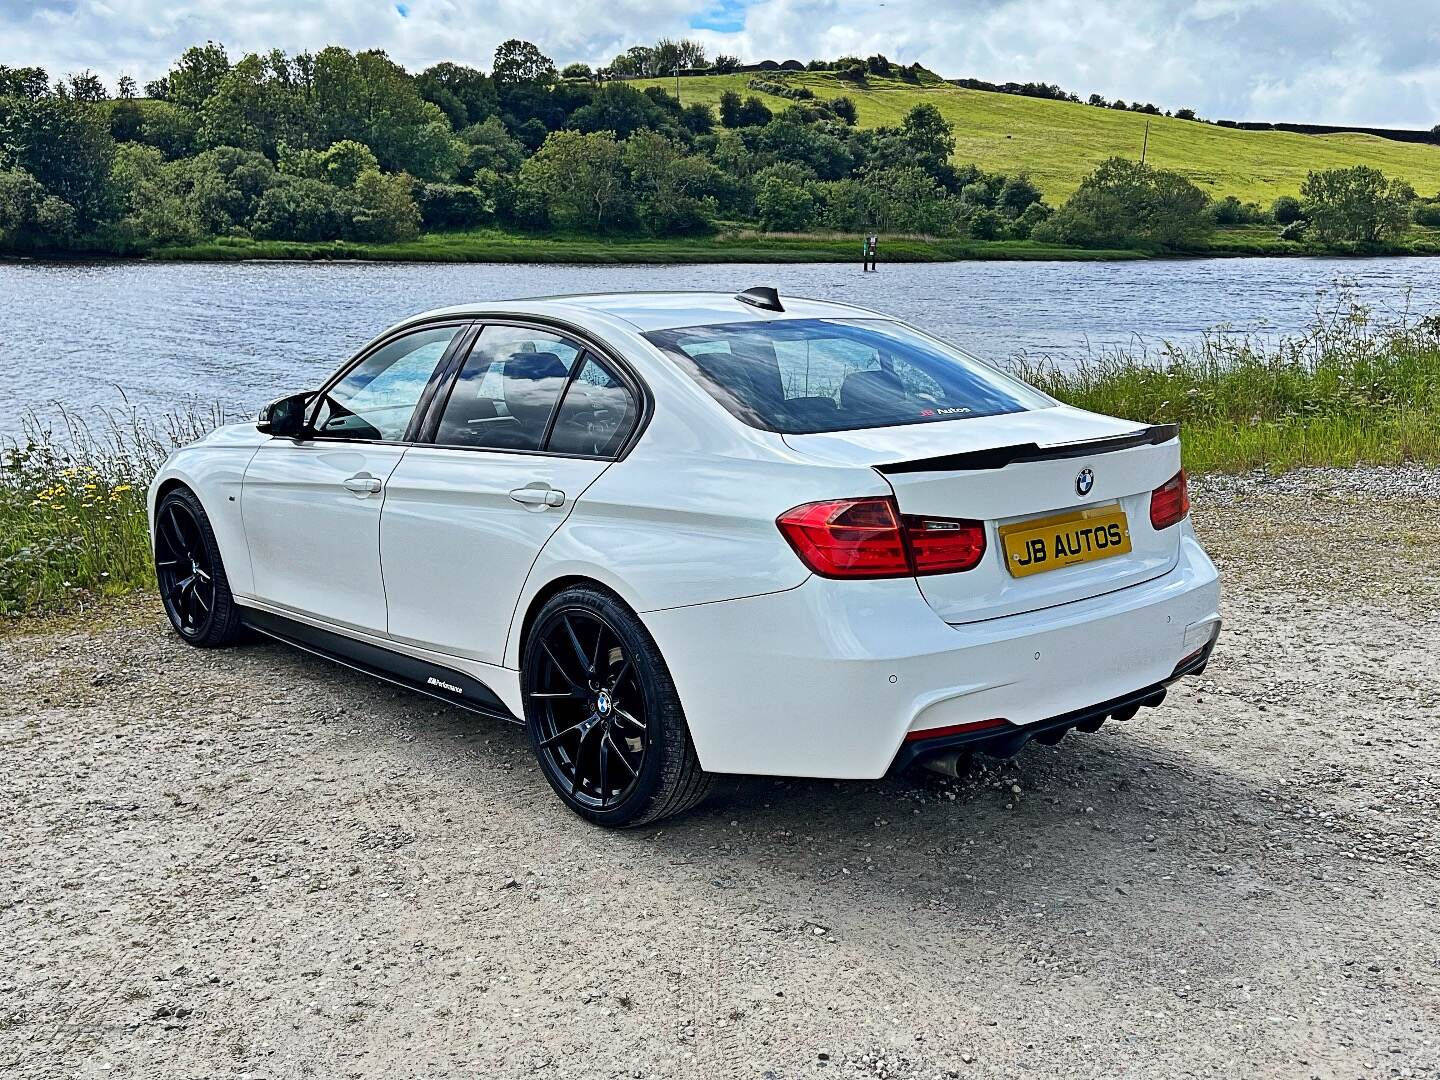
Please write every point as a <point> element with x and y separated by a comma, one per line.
<point>253,863</point>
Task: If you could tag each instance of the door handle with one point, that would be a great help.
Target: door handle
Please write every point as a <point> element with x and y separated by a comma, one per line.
<point>538,496</point>
<point>363,484</point>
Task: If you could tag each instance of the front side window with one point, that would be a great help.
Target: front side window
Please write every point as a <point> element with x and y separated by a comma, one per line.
<point>799,376</point>
<point>376,399</point>
<point>507,389</point>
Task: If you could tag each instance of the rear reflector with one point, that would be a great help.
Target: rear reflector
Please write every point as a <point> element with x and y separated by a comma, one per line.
<point>868,538</point>
<point>955,729</point>
<point>1170,502</point>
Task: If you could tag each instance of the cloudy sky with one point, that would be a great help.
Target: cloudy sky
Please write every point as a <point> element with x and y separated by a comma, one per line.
<point>1374,62</point>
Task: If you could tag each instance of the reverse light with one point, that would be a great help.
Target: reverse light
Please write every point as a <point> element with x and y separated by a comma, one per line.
<point>1170,502</point>
<point>869,538</point>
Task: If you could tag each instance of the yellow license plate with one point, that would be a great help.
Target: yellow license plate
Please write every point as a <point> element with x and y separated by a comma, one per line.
<point>1032,547</point>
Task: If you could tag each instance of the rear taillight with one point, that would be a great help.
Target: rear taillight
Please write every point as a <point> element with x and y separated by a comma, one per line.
<point>944,545</point>
<point>850,538</point>
<point>868,538</point>
<point>1170,502</point>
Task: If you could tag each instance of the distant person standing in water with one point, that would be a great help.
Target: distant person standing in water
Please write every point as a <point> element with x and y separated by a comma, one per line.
<point>871,243</point>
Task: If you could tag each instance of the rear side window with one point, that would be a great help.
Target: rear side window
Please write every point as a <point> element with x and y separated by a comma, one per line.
<point>597,415</point>
<point>507,389</point>
<point>800,376</point>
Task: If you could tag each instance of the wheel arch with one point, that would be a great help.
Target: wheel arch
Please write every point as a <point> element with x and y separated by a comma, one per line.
<point>164,488</point>
<point>542,596</point>
<point>169,484</point>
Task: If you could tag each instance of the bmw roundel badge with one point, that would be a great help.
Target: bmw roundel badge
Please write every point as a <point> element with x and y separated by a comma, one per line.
<point>1084,482</point>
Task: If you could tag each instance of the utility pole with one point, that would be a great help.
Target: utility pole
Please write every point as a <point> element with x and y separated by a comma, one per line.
<point>1145,146</point>
<point>677,83</point>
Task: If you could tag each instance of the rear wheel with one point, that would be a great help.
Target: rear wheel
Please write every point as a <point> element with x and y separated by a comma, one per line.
<point>192,581</point>
<point>603,714</point>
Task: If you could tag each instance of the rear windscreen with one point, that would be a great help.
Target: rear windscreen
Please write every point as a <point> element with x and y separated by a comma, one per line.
<point>801,376</point>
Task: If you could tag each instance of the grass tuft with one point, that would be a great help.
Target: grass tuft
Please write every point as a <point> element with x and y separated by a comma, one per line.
<point>72,504</point>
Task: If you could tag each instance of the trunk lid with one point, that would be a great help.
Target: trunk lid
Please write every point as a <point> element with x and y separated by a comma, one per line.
<point>1016,469</point>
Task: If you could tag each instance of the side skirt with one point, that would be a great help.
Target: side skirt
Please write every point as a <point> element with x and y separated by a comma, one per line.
<point>433,680</point>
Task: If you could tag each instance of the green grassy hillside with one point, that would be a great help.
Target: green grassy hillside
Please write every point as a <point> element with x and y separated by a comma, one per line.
<point>1059,142</point>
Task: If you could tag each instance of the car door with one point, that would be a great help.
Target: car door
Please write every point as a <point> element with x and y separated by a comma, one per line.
<point>530,421</point>
<point>311,506</point>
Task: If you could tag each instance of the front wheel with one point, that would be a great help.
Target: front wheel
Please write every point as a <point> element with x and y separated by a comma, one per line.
<point>603,714</point>
<point>193,585</point>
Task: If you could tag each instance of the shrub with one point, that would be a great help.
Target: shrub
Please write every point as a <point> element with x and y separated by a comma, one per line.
<point>673,189</point>
<point>150,199</point>
<point>65,145</point>
<point>579,178</point>
<point>844,108</point>
<point>784,206</point>
<point>1231,211</point>
<point>697,118</point>
<point>737,113</point>
<point>298,209</point>
<point>378,208</point>
<point>779,89</point>
<point>1017,194</point>
<point>1024,226</point>
<point>984,225</point>
<point>1286,209</point>
<point>451,206</point>
<point>1123,203</point>
<point>29,216</point>
<point>908,199</point>
<point>1356,205</point>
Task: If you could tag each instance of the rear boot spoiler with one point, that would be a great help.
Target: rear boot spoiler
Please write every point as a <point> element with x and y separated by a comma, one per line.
<point>1000,456</point>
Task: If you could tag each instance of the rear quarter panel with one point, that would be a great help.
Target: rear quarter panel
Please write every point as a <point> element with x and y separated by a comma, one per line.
<point>688,517</point>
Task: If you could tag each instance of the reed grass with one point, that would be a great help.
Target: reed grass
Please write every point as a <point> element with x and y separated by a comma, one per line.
<point>1354,387</point>
<point>72,502</point>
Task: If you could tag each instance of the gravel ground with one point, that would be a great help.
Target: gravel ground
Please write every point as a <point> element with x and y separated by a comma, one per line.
<point>255,864</point>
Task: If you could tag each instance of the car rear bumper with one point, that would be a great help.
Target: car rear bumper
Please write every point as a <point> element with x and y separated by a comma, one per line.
<point>1005,739</point>
<point>846,679</point>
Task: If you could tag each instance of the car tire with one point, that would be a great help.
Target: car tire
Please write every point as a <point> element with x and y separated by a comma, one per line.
<point>603,714</point>
<point>190,573</point>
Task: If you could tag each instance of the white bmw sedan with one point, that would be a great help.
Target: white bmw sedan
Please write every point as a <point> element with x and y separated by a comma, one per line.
<point>681,534</point>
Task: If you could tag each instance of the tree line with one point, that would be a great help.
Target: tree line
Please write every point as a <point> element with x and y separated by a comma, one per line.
<point>342,145</point>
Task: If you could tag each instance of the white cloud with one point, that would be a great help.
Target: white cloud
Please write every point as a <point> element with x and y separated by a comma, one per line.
<point>1343,61</point>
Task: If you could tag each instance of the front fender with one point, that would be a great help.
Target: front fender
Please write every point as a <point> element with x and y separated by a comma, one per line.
<point>214,470</point>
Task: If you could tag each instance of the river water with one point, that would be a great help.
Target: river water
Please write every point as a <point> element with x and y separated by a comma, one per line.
<point>83,334</point>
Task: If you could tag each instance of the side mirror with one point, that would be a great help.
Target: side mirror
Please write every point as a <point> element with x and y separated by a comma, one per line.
<point>285,417</point>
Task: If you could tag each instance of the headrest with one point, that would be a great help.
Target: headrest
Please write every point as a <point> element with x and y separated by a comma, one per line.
<point>863,389</point>
<point>534,366</point>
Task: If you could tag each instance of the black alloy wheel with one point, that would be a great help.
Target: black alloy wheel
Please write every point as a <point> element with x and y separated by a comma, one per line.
<point>188,570</point>
<point>603,715</point>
